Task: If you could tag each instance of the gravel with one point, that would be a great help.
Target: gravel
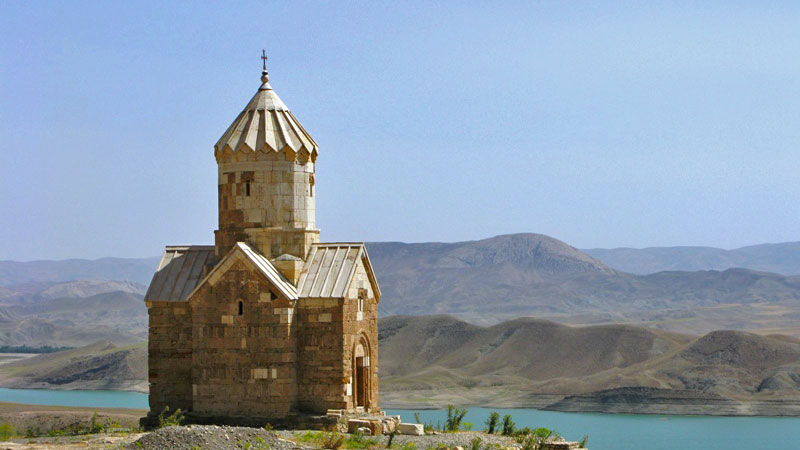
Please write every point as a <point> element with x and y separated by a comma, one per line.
<point>433,441</point>
<point>195,437</point>
<point>450,440</point>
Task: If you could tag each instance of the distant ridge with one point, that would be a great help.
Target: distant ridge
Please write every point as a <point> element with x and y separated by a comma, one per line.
<point>504,277</point>
<point>137,270</point>
<point>782,258</point>
<point>541,253</point>
<point>31,317</point>
<point>508,276</point>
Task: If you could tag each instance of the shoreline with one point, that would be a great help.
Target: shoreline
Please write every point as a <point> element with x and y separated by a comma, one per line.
<point>580,404</point>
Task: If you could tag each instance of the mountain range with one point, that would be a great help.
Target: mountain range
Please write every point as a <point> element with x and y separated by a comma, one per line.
<point>501,278</point>
<point>509,276</point>
<point>783,258</point>
<point>74,313</point>
<point>137,270</point>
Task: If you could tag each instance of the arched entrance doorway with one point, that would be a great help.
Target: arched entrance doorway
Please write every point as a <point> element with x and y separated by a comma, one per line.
<point>361,374</point>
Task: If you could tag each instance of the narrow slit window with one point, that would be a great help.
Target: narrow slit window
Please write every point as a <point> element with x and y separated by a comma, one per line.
<point>362,295</point>
<point>247,188</point>
<point>241,308</point>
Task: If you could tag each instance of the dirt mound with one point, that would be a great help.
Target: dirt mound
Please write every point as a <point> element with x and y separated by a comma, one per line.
<point>211,436</point>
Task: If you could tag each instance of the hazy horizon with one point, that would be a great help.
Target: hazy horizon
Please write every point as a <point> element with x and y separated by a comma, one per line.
<point>401,242</point>
<point>603,125</point>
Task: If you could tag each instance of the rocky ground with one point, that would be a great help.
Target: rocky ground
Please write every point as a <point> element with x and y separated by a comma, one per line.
<point>42,419</point>
<point>87,442</point>
<point>195,437</point>
<point>449,440</point>
<point>212,437</point>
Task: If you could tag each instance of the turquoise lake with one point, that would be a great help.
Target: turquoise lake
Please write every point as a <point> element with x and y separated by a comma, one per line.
<point>606,431</point>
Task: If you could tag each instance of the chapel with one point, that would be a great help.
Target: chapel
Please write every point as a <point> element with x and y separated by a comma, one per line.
<point>268,322</point>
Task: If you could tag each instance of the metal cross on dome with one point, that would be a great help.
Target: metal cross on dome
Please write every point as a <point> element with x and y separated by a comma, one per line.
<point>264,58</point>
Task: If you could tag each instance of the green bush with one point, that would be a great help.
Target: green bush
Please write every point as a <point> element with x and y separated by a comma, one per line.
<point>475,443</point>
<point>309,436</point>
<point>7,431</point>
<point>392,434</point>
<point>508,425</point>
<point>331,440</point>
<point>94,426</point>
<point>358,441</point>
<point>261,444</point>
<point>173,420</point>
<point>454,418</point>
<point>584,440</point>
<point>491,422</point>
<point>533,439</point>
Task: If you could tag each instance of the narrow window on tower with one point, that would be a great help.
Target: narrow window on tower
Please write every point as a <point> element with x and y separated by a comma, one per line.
<point>311,184</point>
<point>241,308</point>
<point>247,189</point>
<point>362,296</point>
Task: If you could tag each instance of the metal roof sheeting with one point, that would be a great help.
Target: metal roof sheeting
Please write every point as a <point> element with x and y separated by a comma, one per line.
<point>329,269</point>
<point>180,270</point>
<point>326,274</point>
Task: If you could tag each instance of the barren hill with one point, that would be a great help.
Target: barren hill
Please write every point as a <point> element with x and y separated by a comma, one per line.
<point>535,362</point>
<point>101,365</point>
<point>527,348</point>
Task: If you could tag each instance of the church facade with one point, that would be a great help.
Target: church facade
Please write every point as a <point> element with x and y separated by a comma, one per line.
<point>268,322</point>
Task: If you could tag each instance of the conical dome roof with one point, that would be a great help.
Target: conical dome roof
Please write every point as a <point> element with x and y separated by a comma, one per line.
<point>266,125</point>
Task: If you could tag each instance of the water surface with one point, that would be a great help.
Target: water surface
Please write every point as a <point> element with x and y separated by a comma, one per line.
<point>646,432</point>
<point>606,431</point>
<point>99,399</point>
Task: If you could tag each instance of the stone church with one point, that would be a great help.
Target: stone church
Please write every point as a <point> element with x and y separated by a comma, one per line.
<point>269,322</point>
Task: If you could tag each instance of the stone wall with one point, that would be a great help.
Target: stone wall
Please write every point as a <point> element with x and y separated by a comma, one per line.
<point>362,326</point>
<point>170,356</point>
<point>329,330</point>
<point>268,200</point>
<point>243,364</point>
<point>321,371</point>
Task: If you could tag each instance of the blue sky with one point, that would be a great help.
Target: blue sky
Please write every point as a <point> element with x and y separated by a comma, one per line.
<point>601,124</point>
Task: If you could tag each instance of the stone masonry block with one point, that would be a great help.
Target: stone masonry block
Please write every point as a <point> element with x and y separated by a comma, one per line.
<point>411,429</point>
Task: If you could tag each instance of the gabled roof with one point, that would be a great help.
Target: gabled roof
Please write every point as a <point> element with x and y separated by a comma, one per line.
<point>266,124</point>
<point>330,267</point>
<point>180,270</point>
<point>242,251</point>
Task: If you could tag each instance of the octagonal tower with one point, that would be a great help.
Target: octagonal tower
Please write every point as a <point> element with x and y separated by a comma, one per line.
<point>266,180</point>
